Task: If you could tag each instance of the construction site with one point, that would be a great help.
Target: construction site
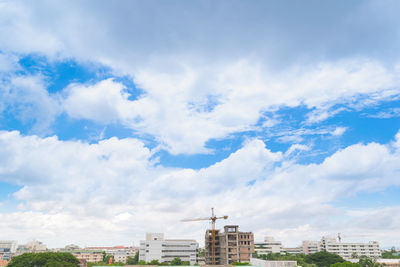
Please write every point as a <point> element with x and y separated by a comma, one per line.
<point>226,247</point>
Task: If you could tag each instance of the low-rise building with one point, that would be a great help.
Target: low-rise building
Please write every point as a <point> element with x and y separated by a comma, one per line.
<point>32,247</point>
<point>389,262</point>
<point>270,245</point>
<point>155,247</point>
<point>9,246</point>
<point>310,247</point>
<point>349,250</point>
<point>293,251</point>
<point>266,263</point>
<point>120,253</point>
<point>88,255</point>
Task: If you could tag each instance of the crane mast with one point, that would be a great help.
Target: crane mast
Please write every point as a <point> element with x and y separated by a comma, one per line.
<point>213,220</point>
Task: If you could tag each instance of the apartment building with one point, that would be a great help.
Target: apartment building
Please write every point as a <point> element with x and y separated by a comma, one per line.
<point>230,245</point>
<point>293,251</point>
<point>88,255</point>
<point>270,245</point>
<point>155,247</point>
<point>310,247</point>
<point>120,253</point>
<point>348,250</point>
<point>8,246</point>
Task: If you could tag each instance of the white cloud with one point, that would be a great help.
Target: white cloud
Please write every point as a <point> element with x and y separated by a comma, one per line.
<point>339,131</point>
<point>115,187</point>
<point>192,91</point>
<point>184,110</point>
<point>27,98</point>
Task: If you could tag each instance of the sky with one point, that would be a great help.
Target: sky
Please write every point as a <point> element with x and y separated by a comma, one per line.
<point>119,118</point>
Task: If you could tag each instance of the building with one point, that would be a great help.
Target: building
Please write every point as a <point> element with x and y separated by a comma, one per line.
<point>270,245</point>
<point>88,255</point>
<point>389,262</point>
<point>155,247</point>
<point>310,247</point>
<point>31,247</point>
<point>293,251</point>
<point>9,246</point>
<point>350,250</point>
<point>120,253</point>
<point>266,263</point>
<point>230,246</point>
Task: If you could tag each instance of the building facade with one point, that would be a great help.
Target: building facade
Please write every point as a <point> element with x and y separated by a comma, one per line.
<point>350,250</point>
<point>88,255</point>
<point>120,253</point>
<point>310,247</point>
<point>230,246</point>
<point>293,251</point>
<point>155,247</point>
<point>270,245</point>
<point>265,263</point>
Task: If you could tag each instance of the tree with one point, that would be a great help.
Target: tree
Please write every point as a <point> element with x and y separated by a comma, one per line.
<point>368,262</point>
<point>133,260</point>
<point>345,264</point>
<point>323,259</point>
<point>154,262</point>
<point>45,259</point>
<point>176,262</point>
<point>106,258</point>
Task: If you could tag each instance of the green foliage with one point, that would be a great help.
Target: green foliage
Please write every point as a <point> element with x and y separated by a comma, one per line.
<point>368,262</point>
<point>323,259</point>
<point>300,258</point>
<point>345,264</point>
<point>176,262</point>
<point>133,260</point>
<point>154,262</point>
<point>141,262</point>
<point>46,259</point>
<point>390,254</point>
<point>102,263</point>
<point>240,263</point>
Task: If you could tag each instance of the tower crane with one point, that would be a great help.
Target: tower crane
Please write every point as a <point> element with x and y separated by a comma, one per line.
<point>213,220</point>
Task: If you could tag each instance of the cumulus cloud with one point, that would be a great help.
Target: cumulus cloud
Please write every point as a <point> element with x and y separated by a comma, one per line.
<point>27,98</point>
<point>118,186</point>
<point>192,92</point>
<point>185,110</point>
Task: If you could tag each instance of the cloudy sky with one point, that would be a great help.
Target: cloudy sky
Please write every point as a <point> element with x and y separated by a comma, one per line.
<point>119,118</point>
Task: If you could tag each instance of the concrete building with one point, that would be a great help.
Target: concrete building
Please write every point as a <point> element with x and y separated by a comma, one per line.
<point>155,247</point>
<point>88,255</point>
<point>120,253</point>
<point>310,247</point>
<point>266,263</point>
<point>389,262</point>
<point>348,250</point>
<point>31,247</point>
<point>9,246</point>
<point>230,246</point>
<point>270,245</point>
<point>293,251</point>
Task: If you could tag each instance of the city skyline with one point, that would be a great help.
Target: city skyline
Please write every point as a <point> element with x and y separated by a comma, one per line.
<point>119,118</point>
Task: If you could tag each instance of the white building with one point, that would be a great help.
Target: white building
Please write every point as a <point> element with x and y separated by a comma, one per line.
<point>8,246</point>
<point>265,263</point>
<point>293,251</point>
<point>348,250</point>
<point>268,246</point>
<point>155,247</point>
<point>310,247</point>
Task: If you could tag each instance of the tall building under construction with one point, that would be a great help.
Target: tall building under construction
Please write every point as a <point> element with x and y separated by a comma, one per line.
<point>230,246</point>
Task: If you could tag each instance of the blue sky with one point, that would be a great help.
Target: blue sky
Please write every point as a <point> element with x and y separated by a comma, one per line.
<point>130,116</point>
